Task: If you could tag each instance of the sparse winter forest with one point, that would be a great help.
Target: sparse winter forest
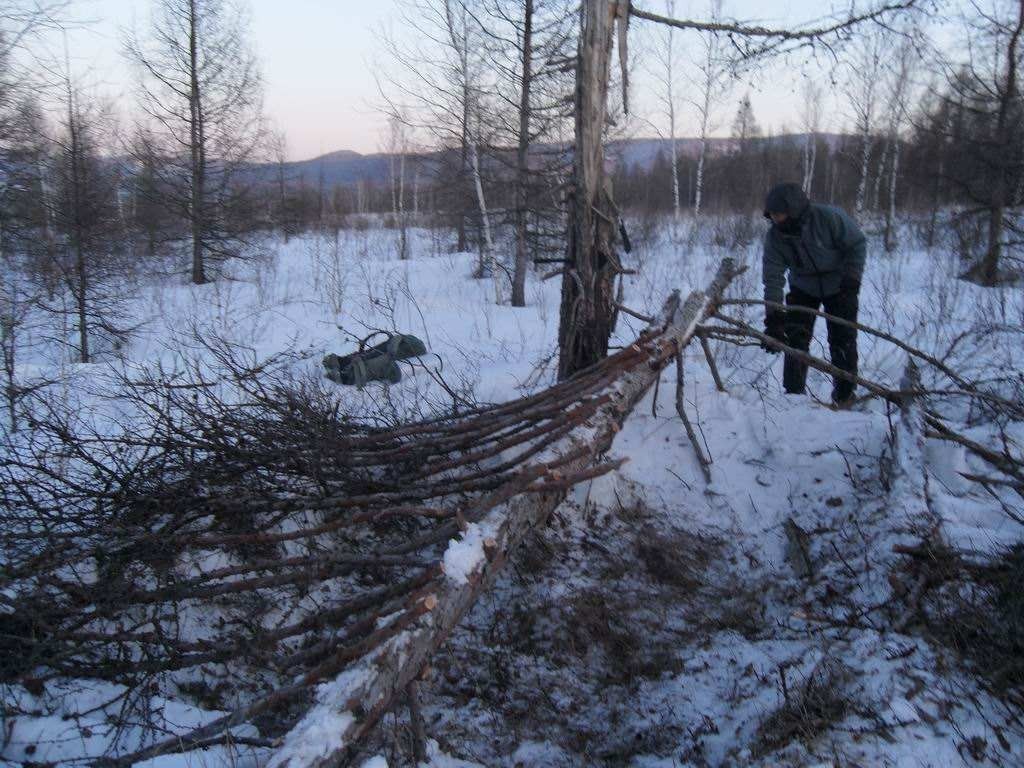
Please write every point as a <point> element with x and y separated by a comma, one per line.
<point>646,391</point>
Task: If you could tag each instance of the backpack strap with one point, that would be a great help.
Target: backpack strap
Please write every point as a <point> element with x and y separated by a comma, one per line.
<point>359,373</point>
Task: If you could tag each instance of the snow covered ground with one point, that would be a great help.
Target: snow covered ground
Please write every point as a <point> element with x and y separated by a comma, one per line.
<point>659,620</point>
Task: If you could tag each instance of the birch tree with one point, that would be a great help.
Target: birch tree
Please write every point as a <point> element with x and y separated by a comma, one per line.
<point>811,111</point>
<point>863,94</point>
<point>398,147</point>
<point>665,55</point>
<point>713,86</point>
<point>899,87</point>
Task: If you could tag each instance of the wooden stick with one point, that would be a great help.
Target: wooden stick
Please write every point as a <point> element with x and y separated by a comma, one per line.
<point>814,362</point>
<point>419,731</point>
<point>930,359</point>
<point>705,463</point>
<point>633,313</point>
<point>702,337</point>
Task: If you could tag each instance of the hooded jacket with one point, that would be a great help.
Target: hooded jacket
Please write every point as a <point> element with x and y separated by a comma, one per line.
<point>818,246</point>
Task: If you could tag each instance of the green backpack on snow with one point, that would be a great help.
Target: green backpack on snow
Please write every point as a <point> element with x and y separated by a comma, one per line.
<point>375,363</point>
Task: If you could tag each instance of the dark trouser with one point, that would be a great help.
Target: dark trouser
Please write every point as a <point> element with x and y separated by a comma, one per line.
<point>842,340</point>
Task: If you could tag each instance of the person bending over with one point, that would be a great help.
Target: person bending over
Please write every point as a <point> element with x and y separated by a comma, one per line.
<point>822,250</point>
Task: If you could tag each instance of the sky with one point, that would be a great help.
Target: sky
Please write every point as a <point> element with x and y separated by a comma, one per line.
<point>315,56</point>
<point>318,57</point>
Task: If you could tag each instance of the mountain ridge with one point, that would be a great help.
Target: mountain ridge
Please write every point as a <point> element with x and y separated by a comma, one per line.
<point>346,167</point>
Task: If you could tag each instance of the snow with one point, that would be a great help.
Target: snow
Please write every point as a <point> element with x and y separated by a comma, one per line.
<point>437,758</point>
<point>465,555</point>
<point>723,644</point>
<point>322,730</point>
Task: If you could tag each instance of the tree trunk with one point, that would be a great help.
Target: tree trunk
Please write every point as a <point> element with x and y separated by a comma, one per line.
<point>988,271</point>
<point>890,211</point>
<point>81,287</point>
<point>865,164</point>
<point>810,156</point>
<point>487,267</point>
<point>281,201</point>
<point>403,225</point>
<point>9,348</point>
<point>670,96</point>
<point>933,219</point>
<point>416,194</point>
<point>587,299</point>
<point>198,149</point>
<point>876,196</point>
<point>699,184</point>
<point>675,169</point>
<point>522,161</point>
<point>462,245</point>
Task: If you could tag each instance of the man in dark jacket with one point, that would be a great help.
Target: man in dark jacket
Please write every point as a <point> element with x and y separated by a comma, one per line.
<point>823,251</point>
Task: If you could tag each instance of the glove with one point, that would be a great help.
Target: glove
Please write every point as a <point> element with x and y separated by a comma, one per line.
<point>849,284</point>
<point>775,326</point>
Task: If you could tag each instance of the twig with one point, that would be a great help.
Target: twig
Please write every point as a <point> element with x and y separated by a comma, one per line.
<point>705,463</point>
<point>703,338</point>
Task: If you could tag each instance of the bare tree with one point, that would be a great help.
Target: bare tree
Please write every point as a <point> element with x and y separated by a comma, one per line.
<point>994,88</point>
<point>810,114</point>
<point>20,20</point>
<point>665,57</point>
<point>863,94</point>
<point>201,93</point>
<point>398,147</point>
<point>281,212</point>
<point>587,301</point>
<point>713,84</point>
<point>432,80</point>
<point>14,309</point>
<point>85,216</point>
<point>528,44</point>
<point>899,87</point>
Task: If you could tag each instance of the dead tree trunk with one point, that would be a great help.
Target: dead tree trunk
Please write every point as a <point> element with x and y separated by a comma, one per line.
<point>591,264</point>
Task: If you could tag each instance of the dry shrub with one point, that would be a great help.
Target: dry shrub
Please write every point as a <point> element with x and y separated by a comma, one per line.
<point>809,708</point>
<point>733,232</point>
<point>979,612</point>
<point>676,559</point>
<point>602,621</point>
<point>692,567</point>
<point>739,608</point>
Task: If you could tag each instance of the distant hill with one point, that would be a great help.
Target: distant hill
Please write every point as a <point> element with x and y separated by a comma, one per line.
<point>342,168</point>
<point>346,168</point>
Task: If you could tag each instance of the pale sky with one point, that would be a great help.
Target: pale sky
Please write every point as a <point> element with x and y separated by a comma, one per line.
<point>314,54</point>
<point>317,56</point>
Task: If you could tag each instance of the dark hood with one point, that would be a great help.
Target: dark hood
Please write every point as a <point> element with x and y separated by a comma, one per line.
<point>786,198</point>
